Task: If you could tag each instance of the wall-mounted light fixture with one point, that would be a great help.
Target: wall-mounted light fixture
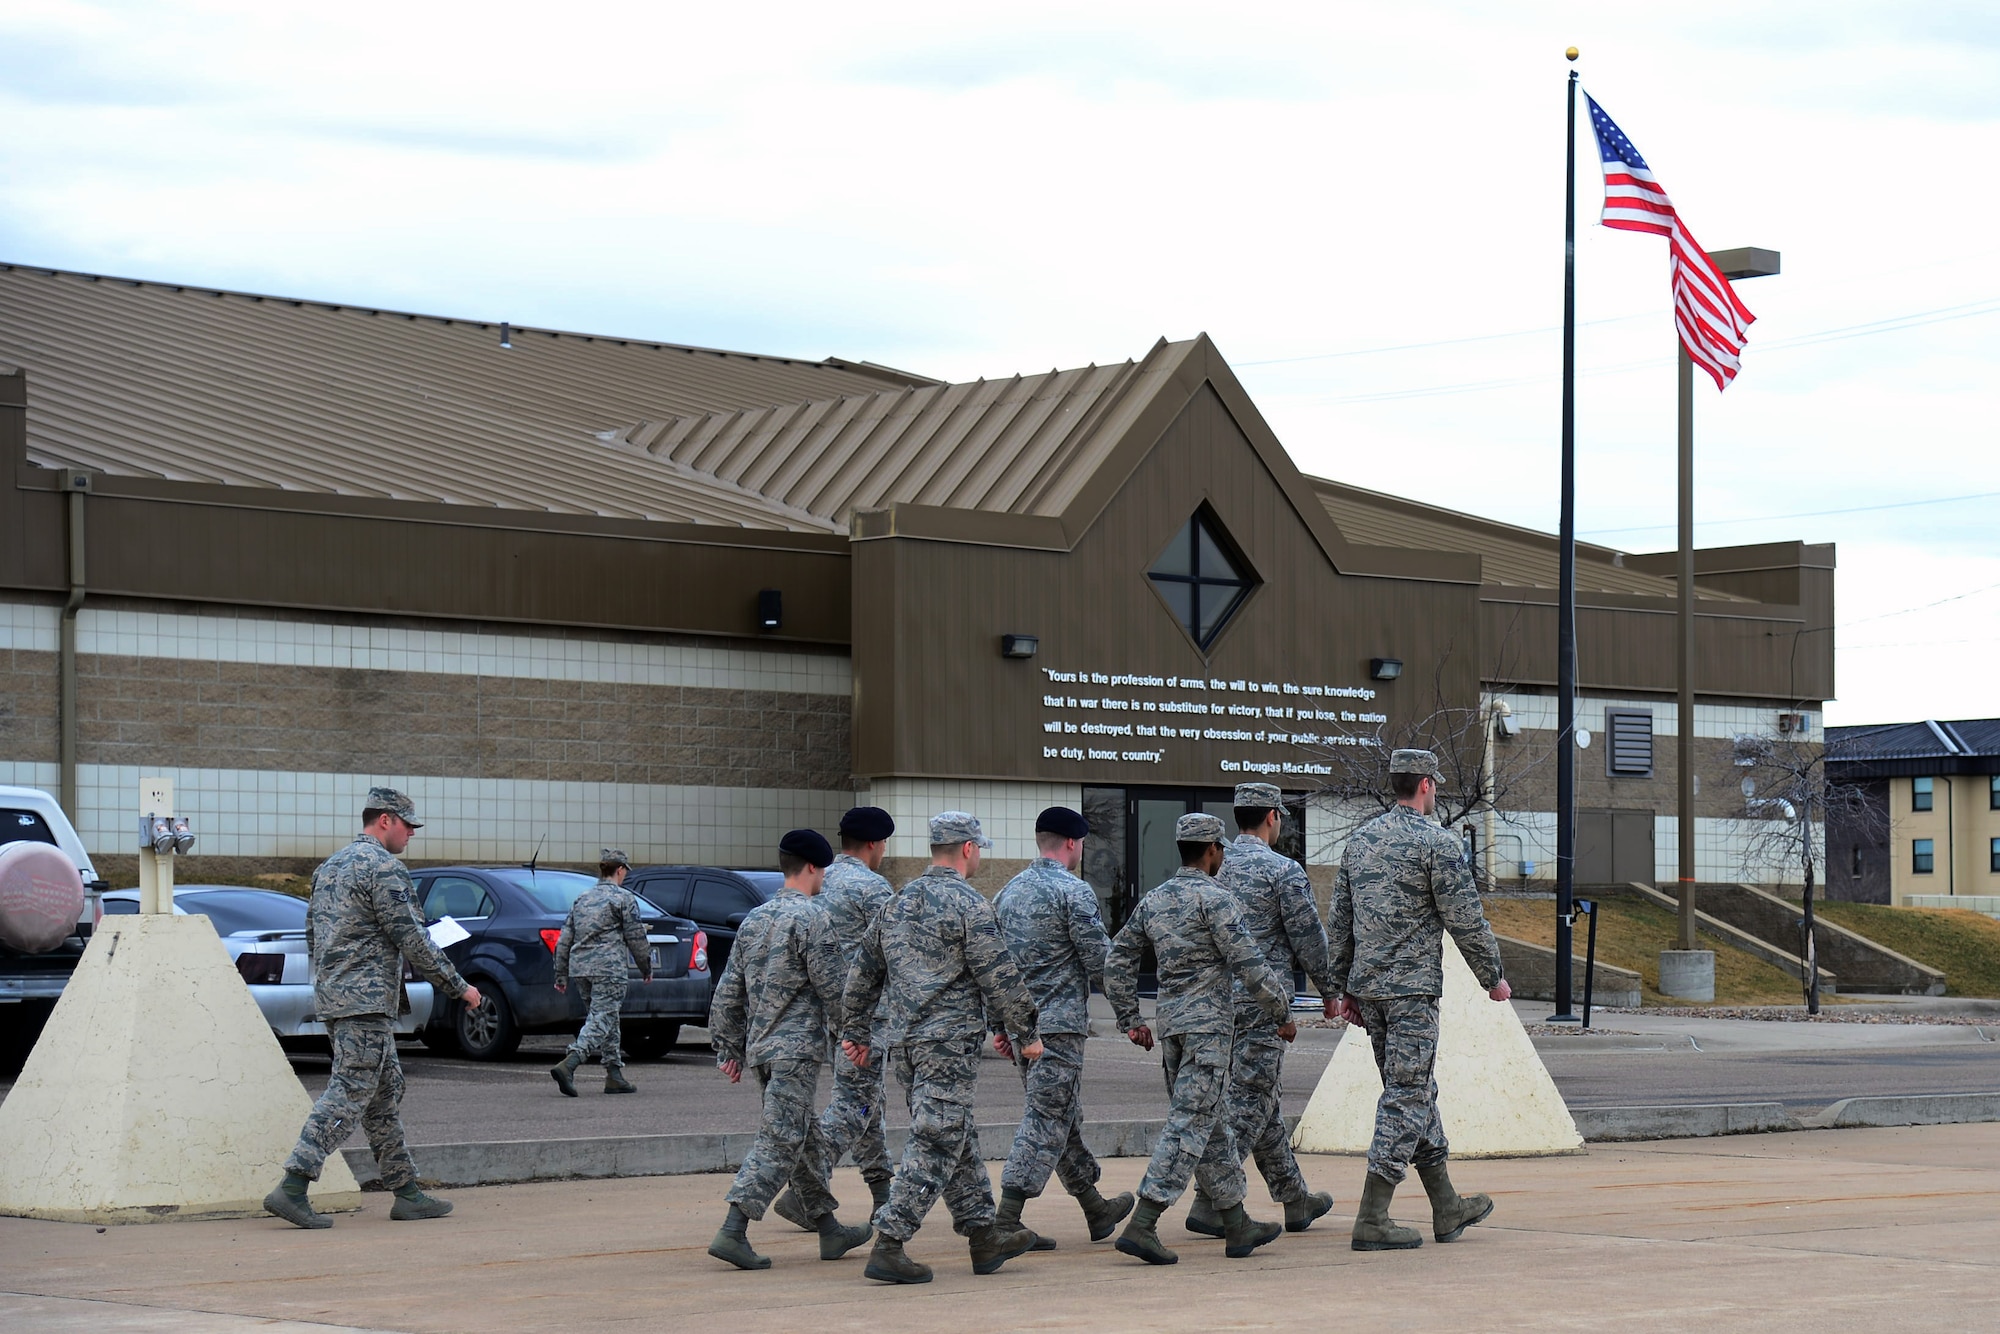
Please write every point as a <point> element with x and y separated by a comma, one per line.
<point>770,609</point>
<point>1018,646</point>
<point>506,334</point>
<point>1385,669</point>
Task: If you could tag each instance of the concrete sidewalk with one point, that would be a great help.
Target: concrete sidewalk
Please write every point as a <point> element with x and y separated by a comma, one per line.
<point>1862,1230</point>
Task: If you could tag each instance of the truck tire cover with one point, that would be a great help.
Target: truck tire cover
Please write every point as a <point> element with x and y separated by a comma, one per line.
<point>41,896</point>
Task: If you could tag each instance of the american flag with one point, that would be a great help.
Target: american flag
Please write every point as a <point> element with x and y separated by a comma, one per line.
<point>1710,320</point>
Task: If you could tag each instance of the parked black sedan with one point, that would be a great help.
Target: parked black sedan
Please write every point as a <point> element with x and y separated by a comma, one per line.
<point>716,900</point>
<point>515,915</point>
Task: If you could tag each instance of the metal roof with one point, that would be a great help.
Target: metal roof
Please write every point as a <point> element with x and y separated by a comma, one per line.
<point>1024,445</point>
<point>1951,743</point>
<point>195,384</point>
<point>1521,557</point>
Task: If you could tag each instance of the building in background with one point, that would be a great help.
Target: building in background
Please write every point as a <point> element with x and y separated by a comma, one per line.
<point>574,591</point>
<point>1935,841</point>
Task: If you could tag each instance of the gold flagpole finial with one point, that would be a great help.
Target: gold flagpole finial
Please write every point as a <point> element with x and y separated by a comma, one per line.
<point>1571,54</point>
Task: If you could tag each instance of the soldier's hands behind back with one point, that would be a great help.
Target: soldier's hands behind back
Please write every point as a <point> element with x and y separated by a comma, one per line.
<point>1141,1036</point>
<point>855,1052</point>
<point>1288,1030</point>
<point>1003,1045</point>
<point>562,986</point>
<point>1350,1010</point>
<point>473,1000</point>
<point>1501,991</point>
<point>733,1069</point>
<point>1033,1051</point>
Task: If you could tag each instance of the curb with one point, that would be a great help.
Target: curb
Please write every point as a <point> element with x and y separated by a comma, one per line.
<point>505,1161</point>
<point>1605,1125</point>
<point>508,1161</point>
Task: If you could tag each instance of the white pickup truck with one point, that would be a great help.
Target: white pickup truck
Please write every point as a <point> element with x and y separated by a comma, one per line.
<point>30,815</point>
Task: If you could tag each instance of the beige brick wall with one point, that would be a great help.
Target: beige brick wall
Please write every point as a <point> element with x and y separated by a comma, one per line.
<point>182,712</point>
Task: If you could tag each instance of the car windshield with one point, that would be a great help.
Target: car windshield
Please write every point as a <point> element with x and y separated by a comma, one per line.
<point>552,891</point>
<point>233,910</point>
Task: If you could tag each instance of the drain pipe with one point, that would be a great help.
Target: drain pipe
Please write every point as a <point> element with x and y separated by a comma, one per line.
<point>77,483</point>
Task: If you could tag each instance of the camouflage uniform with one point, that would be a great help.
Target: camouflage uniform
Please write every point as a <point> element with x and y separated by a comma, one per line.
<point>1403,883</point>
<point>934,960</point>
<point>853,895</point>
<point>770,1015</point>
<point>1196,930</point>
<point>360,925</point>
<point>1278,911</point>
<point>1050,921</point>
<point>605,932</point>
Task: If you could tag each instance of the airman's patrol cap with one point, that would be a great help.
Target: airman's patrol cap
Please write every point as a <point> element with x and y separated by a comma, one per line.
<point>1259,797</point>
<point>955,827</point>
<point>809,846</point>
<point>1196,827</point>
<point>390,800</point>
<point>1064,821</point>
<point>1414,762</point>
<point>613,857</point>
<point>868,824</point>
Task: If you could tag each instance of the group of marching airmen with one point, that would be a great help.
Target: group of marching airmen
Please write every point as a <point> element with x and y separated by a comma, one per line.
<point>918,978</point>
<point>840,966</point>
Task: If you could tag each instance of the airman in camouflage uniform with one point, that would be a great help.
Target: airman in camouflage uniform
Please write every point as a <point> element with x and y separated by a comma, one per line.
<point>1403,883</point>
<point>1196,930</point>
<point>361,923</point>
<point>605,931</point>
<point>770,1013</point>
<point>852,1120</point>
<point>1050,920</point>
<point>934,960</point>
<point>1278,911</point>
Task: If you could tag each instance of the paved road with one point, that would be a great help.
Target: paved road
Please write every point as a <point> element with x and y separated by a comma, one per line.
<point>1643,1061</point>
<point>1634,1060</point>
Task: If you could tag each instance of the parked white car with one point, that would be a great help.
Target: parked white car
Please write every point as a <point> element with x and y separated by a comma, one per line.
<point>265,934</point>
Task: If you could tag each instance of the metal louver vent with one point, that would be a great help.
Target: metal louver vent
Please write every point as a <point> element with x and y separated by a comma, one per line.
<point>1628,751</point>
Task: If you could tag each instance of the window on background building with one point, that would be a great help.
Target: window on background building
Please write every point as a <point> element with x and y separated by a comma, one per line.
<point>1923,858</point>
<point>1202,576</point>
<point>1993,794</point>
<point>1628,744</point>
<point>1922,793</point>
<point>1855,869</point>
<point>1994,853</point>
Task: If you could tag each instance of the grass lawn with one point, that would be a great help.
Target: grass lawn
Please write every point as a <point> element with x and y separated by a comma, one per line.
<point>1965,945</point>
<point>1631,933</point>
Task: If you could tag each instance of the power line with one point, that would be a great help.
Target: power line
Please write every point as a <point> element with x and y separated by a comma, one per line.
<point>1955,597</point>
<point>1803,514</point>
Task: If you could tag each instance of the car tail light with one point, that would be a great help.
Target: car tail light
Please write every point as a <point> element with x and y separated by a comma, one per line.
<point>698,961</point>
<point>550,935</point>
<point>261,970</point>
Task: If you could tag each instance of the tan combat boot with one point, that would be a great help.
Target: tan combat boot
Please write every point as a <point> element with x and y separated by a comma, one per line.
<point>1452,1213</point>
<point>1374,1230</point>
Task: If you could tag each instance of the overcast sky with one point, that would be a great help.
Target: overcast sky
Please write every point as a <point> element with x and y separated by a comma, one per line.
<point>1362,205</point>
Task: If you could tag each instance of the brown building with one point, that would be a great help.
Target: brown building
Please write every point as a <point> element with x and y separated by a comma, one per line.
<point>614,591</point>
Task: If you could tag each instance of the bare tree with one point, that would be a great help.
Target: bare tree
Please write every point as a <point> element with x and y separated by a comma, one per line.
<point>1475,775</point>
<point>1788,800</point>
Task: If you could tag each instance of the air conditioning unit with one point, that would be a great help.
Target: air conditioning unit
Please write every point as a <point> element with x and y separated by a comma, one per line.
<point>1789,723</point>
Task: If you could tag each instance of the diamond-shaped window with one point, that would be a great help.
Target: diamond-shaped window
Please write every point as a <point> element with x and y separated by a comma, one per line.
<point>1202,576</point>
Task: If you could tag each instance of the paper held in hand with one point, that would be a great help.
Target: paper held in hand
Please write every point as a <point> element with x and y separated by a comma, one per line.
<point>446,931</point>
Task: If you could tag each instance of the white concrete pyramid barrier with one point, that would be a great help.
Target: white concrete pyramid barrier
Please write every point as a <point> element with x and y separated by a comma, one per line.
<point>157,1091</point>
<point>1494,1093</point>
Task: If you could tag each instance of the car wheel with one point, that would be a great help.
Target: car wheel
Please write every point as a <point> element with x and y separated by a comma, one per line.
<point>488,1033</point>
<point>652,1041</point>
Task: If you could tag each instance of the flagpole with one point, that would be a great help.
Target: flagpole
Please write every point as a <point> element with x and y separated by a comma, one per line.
<point>1566,594</point>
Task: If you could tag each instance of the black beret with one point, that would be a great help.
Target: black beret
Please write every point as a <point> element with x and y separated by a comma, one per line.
<point>867,824</point>
<point>1062,820</point>
<point>808,845</point>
